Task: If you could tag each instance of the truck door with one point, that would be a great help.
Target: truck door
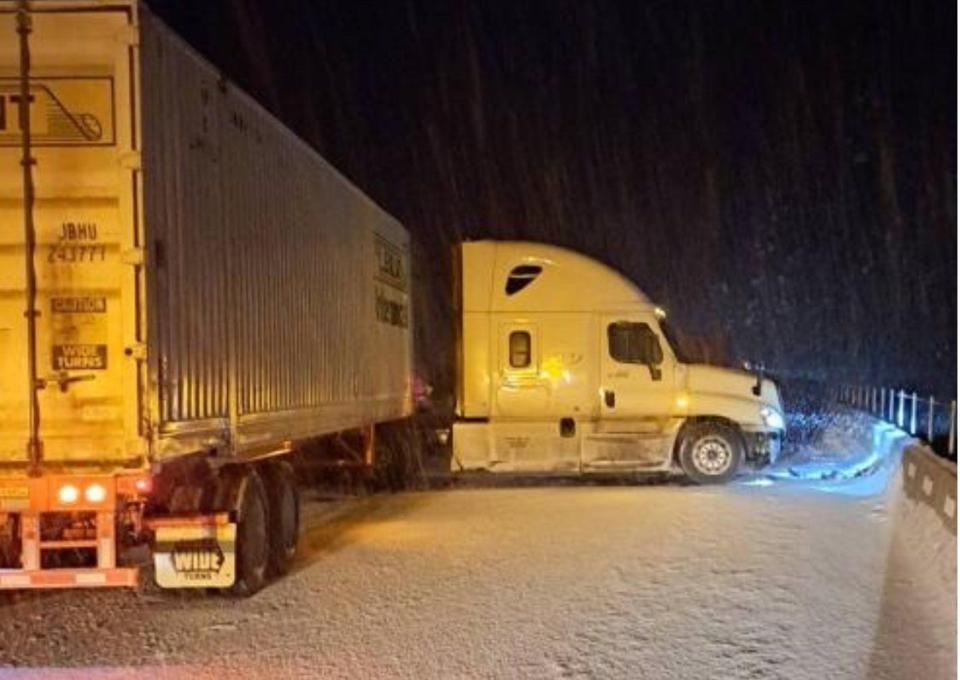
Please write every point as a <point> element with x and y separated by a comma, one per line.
<point>637,374</point>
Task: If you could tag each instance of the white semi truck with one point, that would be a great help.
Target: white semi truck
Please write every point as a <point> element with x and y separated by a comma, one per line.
<point>564,367</point>
<point>188,293</point>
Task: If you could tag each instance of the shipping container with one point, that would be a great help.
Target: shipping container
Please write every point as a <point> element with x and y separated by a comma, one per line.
<point>210,292</point>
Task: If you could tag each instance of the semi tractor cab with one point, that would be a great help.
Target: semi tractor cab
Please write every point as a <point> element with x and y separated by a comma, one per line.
<point>564,367</point>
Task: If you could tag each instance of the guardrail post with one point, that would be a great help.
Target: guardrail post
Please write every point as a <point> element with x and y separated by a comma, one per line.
<point>951,442</point>
<point>883,402</point>
<point>873,399</point>
<point>913,415</point>
<point>930,420</point>
<point>900,411</point>
<point>892,399</point>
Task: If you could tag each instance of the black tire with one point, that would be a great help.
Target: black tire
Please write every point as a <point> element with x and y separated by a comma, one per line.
<point>710,452</point>
<point>249,500</point>
<point>284,499</point>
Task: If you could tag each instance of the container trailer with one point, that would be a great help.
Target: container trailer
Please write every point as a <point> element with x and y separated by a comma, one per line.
<point>188,293</point>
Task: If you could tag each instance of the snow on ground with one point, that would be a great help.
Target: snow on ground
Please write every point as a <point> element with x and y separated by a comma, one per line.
<point>771,577</point>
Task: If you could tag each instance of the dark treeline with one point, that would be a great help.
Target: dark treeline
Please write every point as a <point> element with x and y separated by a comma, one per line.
<point>780,175</point>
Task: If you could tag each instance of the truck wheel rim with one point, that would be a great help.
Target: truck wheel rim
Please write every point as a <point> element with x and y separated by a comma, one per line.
<point>712,455</point>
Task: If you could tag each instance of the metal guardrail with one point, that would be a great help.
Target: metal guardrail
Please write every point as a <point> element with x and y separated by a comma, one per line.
<point>925,417</point>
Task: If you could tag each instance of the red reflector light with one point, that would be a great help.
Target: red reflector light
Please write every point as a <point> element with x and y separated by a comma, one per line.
<point>144,485</point>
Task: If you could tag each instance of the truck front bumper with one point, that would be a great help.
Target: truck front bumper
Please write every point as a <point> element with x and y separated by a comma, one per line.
<point>763,448</point>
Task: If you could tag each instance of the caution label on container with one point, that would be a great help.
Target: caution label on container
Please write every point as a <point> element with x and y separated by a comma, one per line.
<point>79,333</point>
<point>78,305</point>
<point>79,357</point>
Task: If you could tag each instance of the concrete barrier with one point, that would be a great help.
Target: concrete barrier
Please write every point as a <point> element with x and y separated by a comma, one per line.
<point>917,622</point>
<point>932,481</point>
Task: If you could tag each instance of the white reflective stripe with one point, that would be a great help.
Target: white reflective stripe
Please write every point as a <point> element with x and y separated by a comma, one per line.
<point>16,580</point>
<point>185,533</point>
<point>105,558</point>
<point>90,578</point>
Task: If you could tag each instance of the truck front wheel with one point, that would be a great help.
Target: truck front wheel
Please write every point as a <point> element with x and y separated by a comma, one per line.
<point>711,452</point>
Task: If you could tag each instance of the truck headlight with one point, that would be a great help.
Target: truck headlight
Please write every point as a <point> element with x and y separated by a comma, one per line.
<point>772,418</point>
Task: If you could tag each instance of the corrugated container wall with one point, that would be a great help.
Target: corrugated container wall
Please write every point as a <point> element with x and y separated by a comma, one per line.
<point>277,293</point>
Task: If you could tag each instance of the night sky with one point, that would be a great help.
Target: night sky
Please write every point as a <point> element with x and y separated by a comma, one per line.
<point>781,176</point>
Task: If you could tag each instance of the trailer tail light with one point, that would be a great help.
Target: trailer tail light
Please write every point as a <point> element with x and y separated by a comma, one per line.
<point>82,492</point>
<point>134,486</point>
<point>68,494</point>
<point>95,493</point>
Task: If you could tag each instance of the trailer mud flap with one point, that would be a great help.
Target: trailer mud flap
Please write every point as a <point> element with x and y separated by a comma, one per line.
<point>194,552</point>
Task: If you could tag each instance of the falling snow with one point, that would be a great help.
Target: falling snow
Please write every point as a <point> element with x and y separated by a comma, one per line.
<point>781,176</point>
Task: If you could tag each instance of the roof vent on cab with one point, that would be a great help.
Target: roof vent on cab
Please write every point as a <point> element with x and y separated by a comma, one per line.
<point>521,276</point>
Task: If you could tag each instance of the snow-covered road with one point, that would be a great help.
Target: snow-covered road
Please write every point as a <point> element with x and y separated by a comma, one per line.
<point>758,579</point>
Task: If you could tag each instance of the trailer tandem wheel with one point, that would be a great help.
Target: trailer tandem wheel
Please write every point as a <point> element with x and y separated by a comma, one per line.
<point>242,490</point>
<point>284,512</point>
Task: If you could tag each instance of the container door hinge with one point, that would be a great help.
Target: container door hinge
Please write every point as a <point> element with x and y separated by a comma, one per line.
<point>128,35</point>
<point>131,160</point>
<point>132,257</point>
<point>137,351</point>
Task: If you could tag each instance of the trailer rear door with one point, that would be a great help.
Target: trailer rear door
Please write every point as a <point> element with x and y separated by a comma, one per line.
<point>87,258</point>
